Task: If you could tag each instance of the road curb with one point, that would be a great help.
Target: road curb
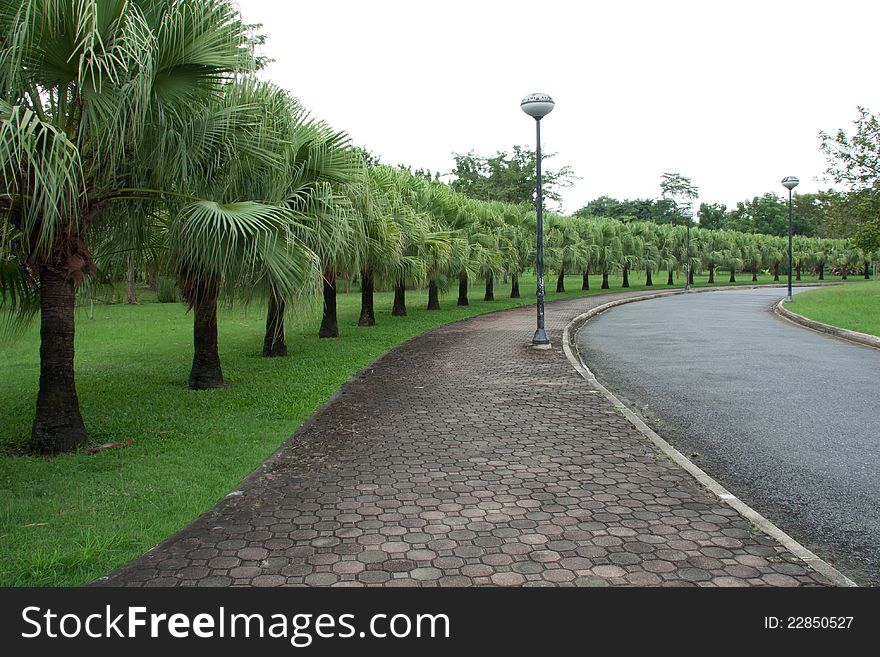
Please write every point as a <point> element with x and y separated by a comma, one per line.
<point>844,334</point>
<point>704,479</point>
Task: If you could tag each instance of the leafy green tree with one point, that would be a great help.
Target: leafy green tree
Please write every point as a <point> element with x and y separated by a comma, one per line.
<point>854,161</point>
<point>767,214</point>
<point>679,193</point>
<point>712,216</point>
<point>626,210</point>
<point>807,214</point>
<point>508,176</point>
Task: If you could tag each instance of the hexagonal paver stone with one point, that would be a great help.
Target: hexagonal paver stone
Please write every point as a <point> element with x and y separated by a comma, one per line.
<point>253,554</point>
<point>426,573</point>
<point>374,577</point>
<point>694,574</point>
<point>269,580</point>
<point>215,581</point>
<point>608,571</point>
<point>321,579</point>
<point>372,556</point>
<point>508,579</point>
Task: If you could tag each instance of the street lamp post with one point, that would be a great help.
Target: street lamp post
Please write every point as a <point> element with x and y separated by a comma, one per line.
<point>538,106</point>
<point>789,182</point>
<point>687,275</point>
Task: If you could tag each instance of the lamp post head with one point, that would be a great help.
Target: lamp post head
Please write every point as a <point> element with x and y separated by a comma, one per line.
<point>537,105</point>
<point>790,182</point>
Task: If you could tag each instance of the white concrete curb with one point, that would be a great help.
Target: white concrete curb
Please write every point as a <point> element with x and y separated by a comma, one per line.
<point>863,339</point>
<point>812,560</point>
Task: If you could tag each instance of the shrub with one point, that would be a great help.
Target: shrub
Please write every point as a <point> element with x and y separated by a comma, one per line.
<point>168,291</point>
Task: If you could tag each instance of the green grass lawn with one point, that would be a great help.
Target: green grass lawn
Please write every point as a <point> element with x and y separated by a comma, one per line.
<point>854,307</point>
<point>70,519</point>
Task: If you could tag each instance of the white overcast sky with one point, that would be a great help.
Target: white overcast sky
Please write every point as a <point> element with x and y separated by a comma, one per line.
<point>732,94</point>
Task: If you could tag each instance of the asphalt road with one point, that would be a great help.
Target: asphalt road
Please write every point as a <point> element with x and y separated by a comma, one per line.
<point>784,417</point>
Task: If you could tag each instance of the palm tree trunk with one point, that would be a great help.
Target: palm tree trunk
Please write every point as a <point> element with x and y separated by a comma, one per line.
<point>754,274</point>
<point>797,270</point>
<point>605,285</point>
<point>775,271</point>
<point>691,276</point>
<point>399,307</point>
<point>560,281</point>
<point>585,282</point>
<point>274,344</point>
<point>463,289</point>
<point>732,275</point>
<point>625,276</point>
<point>490,288</point>
<point>433,296</point>
<point>368,314</point>
<point>329,324</point>
<point>649,278</point>
<point>58,426</point>
<point>711,274</point>
<point>205,372</point>
<point>821,271</point>
<point>153,277</point>
<point>130,288</point>
<point>867,275</point>
<point>843,273</point>
<point>514,286</point>
<point>669,279</point>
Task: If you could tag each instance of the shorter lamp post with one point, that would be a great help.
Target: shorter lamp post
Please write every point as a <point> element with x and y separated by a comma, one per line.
<point>538,106</point>
<point>789,182</point>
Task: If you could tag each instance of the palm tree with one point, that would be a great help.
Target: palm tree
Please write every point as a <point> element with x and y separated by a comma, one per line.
<point>517,246</point>
<point>233,243</point>
<point>377,201</point>
<point>668,250</point>
<point>633,250</point>
<point>712,255</point>
<point>649,247</point>
<point>320,165</point>
<point>610,252</point>
<point>94,95</point>
<point>752,257</point>
<point>734,251</point>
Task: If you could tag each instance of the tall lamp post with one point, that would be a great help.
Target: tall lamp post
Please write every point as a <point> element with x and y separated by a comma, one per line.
<point>789,182</point>
<point>538,106</point>
<point>687,275</point>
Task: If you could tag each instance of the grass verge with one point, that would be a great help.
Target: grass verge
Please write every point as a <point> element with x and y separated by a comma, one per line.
<point>854,307</point>
<point>70,519</point>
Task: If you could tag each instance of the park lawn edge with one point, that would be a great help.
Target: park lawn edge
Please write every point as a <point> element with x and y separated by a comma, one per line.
<point>853,307</point>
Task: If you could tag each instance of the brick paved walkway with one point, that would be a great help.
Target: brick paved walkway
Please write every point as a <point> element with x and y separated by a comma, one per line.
<point>467,458</point>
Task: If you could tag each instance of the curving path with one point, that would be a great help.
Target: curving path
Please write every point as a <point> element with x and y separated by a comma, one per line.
<point>785,417</point>
<point>465,458</point>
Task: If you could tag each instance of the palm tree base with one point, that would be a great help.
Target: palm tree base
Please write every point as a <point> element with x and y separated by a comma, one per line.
<point>58,425</point>
<point>433,296</point>
<point>399,307</point>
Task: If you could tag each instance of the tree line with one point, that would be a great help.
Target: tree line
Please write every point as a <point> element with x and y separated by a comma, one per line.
<point>146,145</point>
<point>828,213</point>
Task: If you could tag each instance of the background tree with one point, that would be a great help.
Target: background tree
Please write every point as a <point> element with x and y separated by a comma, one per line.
<point>679,193</point>
<point>508,176</point>
<point>712,216</point>
<point>854,161</point>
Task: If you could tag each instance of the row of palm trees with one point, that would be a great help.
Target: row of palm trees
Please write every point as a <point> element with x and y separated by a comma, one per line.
<point>604,245</point>
<point>135,133</point>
